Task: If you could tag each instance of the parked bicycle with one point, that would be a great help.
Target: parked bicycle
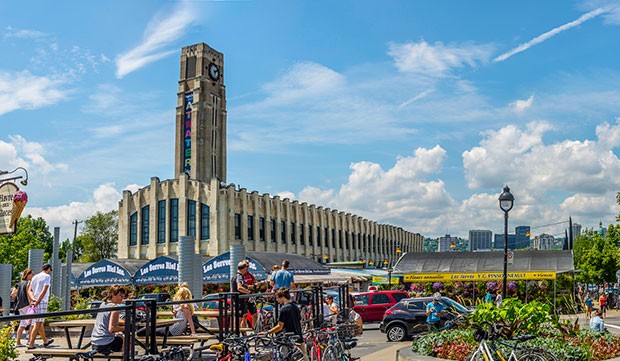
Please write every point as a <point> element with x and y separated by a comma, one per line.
<point>488,351</point>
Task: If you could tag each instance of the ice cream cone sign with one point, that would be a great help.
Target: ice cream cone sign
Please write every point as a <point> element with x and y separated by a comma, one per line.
<point>12,203</point>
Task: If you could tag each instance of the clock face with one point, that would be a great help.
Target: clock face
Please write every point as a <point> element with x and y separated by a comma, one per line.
<point>214,72</point>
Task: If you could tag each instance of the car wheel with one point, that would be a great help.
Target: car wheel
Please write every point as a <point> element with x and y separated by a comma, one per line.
<point>396,333</point>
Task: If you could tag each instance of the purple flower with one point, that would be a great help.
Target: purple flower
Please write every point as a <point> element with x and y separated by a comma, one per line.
<point>438,286</point>
<point>512,285</point>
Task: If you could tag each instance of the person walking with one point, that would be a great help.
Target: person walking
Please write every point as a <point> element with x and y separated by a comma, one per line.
<point>488,298</point>
<point>603,303</point>
<point>40,288</point>
<point>284,278</point>
<point>23,303</point>
<point>106,336</point>
<point>289,319</point>
<point>588,303</point>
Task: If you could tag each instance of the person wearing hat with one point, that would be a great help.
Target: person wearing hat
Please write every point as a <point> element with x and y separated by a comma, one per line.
<point>40,288</point>
<point>434,311</point>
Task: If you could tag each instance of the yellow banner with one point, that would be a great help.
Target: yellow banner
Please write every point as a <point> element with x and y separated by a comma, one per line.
<point>478,276</point>
<point>383,280</point>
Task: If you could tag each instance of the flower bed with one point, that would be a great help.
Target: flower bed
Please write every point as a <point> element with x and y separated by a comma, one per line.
<point>561,338</point>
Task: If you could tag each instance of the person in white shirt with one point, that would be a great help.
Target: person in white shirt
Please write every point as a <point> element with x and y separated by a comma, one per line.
<point>40,288</point>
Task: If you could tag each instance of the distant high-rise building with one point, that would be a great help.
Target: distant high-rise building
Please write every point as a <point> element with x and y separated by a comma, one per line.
<point>576,230</point>
<point>499,241</point>
<point>522,237</point>
<point>480,239</point>
<point>544,241</point>
<point>446,243</point>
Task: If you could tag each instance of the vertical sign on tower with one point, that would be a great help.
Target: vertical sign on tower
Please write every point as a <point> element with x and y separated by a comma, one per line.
<point>187,131</point>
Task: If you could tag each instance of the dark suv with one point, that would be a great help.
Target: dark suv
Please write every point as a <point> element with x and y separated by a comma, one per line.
<point>408,317</point>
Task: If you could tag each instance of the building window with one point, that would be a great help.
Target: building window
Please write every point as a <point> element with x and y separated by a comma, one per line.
<point>161,221</point>
<point>144,237</point>
<point>237,226</point>
<point>250,228</point>
<point>283,231</point>
<point>174,220</point>
<point>273,230</point>
<point>302,241</point>
<point>191,218</point>
<point>133,229</point>
<point>310,242</point>
<point>293,231</point>
<point>333,238</point>
<point>205,218</point>
<point>354,240</point>
<point>346,240</point>
<point>261,229</point>
<point>325,242</point>
<point>340,238</point>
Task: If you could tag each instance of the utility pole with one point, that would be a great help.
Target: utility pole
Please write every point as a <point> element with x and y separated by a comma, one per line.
<point>76,222</point>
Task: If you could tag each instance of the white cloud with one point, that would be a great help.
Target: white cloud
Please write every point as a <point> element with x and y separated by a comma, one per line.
<point>161,32</point>
<point>26,91</point>
<point>519,106</point>
<point>11,32</point>
<point>400,195</point>
<point>551,33</point>
<point>611,16</point>
<point>437,60</point>
<point>419,96</point>
<point>104,198</point>
<point>20,152</point>
<point>519,156</point>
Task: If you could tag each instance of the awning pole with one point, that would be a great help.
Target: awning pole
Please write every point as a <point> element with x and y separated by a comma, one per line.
<point>554,292</point>
<point>526,301</point>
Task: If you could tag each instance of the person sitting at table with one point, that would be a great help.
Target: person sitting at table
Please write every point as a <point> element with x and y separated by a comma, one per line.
<point>106,336</point>
<point>183,312</point>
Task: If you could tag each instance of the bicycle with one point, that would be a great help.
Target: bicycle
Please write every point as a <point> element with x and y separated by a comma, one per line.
<point>487,351</point>
<point>337,349</point>
<point>279,347</point>
<point>176,353</point>
<point>265,319</point>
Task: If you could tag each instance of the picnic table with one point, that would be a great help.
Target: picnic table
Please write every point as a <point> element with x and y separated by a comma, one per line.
<point>90,323</point>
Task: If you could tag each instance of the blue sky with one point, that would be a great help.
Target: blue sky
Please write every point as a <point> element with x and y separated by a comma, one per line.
<point>406,112</point>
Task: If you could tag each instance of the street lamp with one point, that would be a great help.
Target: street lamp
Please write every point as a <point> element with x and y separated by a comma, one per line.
<point>24,177</point>
<point>506,201</point>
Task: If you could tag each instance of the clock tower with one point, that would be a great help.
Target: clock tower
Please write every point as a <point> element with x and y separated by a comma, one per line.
<point>200,142</point>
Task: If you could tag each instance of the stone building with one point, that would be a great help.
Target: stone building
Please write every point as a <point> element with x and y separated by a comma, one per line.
<point>199,202</point>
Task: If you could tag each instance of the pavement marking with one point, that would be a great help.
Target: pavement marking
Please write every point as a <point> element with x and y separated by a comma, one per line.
<point>614,326</point>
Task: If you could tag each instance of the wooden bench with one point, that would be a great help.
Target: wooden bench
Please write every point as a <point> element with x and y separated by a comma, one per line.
<point>69,353</point>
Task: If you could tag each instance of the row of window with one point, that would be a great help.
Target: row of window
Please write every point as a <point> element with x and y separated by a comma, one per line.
<point>349,241</point>
<point>173,231</point>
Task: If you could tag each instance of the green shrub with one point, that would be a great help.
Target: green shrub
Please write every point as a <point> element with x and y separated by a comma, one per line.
<point>7,343</point>
<point>515,317</point>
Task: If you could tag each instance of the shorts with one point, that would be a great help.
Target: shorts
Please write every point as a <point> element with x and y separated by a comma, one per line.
<point>40,308</point>
<point>113,346</point>
<point>24,311</point>
<point>243,307</point>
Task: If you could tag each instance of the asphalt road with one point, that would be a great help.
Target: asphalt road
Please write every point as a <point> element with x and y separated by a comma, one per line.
<point>373,343</point>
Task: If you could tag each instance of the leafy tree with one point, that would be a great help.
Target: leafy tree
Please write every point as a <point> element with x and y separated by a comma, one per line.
<point>430,245</point>
<point>76,246</point>
<point>99,237</point>
<point>31,233</point>
<point>597,257</point>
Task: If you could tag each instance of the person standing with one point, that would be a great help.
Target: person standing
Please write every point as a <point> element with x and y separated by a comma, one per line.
<point>239,285</point>
<point>24,299</point>
<point>332,310</point>
<point>106,336</point>
<point>588,303</point>
<point>40,288</point>
<point>499,299</point>
<point>289,318</point>
<point>434,311</point>
<point>250,280</point>
<point>275,268</point>
<point>284,278</point>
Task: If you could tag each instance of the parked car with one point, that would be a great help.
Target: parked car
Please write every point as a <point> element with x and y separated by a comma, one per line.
<point>158,297</point>
<point>408,317</point>
<point>372,305</point>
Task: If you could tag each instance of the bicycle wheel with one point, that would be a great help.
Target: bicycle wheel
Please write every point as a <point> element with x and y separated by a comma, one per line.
<point>329,354</point>
<point>315,353</point>
<point>536,355</point>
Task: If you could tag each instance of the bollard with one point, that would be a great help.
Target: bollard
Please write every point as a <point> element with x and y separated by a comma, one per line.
<point>6,273</point>
<point>35,259</point>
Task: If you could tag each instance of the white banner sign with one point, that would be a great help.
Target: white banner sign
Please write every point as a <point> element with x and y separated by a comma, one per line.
<point>7,190</point>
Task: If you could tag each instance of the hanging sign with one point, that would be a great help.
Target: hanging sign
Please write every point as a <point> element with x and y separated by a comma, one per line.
<point>104,273</point>
<point>479,276</point>
<point>161,270</point>
<point>8,208</point>
<point>217,269</point>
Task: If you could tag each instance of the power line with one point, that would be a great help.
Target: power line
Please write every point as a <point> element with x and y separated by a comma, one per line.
<point>550,224</point>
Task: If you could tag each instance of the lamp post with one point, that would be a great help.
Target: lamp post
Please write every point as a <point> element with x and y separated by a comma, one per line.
<point>506,201</point>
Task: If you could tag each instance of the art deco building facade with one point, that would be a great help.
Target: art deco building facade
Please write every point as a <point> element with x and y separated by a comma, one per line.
<point>199,202</point>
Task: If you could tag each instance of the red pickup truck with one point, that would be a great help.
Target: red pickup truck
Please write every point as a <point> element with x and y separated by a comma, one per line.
<point>372,305</point>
